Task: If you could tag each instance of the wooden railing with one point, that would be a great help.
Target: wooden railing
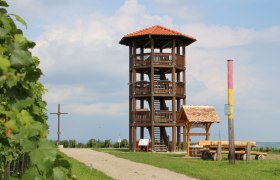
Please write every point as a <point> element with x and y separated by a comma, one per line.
<point>180,88</point>
<point>164,59</point>
<point>161,116</point>
<point>142,117</point>
<point>160,87</point>
<point>180,60</point>
<point>142,88</point>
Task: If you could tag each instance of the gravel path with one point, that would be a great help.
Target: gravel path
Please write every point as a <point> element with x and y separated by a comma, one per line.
<point>119,168</point>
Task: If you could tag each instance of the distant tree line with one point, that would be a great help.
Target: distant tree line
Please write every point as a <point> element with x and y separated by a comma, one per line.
<point>268,149</point>
<point>93,143</point>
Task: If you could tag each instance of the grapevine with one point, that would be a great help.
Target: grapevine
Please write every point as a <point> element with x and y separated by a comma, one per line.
<point>23,113</point>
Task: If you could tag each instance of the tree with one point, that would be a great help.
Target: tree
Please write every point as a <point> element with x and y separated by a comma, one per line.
<point>107,143</point>
<point>72,143</point>
<point>124,143</point>
<point>23,128</point>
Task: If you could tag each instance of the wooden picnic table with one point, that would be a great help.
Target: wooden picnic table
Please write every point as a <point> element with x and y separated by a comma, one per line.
<point>211,149</point>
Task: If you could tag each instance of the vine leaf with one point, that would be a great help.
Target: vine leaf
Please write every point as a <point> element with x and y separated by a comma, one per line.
<point>58,173</point>
<point>44,156</point>
<point>3,3</point>
<point>21,58</point>
<point>4,63</point>
<point>19,19</point>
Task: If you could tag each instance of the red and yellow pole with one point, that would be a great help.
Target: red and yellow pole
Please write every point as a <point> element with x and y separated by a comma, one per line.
<point>231,113</point>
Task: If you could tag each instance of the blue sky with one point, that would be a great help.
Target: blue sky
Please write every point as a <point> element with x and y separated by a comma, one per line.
<point>86,70</point>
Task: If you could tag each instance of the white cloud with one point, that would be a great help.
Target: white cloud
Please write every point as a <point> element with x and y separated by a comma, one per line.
<point>106,109</point>
<point>214,36</point>
<point>66,93</point>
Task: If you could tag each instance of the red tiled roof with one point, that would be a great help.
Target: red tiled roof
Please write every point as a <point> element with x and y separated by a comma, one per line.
<point>157,30</point>
<point>159,33</point>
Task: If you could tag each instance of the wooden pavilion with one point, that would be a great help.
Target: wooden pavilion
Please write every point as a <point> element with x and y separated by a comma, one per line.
<point>196,117</point>
<point>157,85</point>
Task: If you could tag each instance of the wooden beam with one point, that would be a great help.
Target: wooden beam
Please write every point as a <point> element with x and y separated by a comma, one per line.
<point>152,94</point>
<point>134,139</point>
<point>173,97</point>
<point>147,43</point>
<point>142,53</point>
<point>173,138</point>
<point>179,137</point>
<point>130,98</point>
<point>165,45</point>
<point>153,138</point>
<point>188,137</point>
<point>184,138</point>
<point>141,132</point>
<point>207,128</point>
<point>130,138</point>
<point>199,134</point>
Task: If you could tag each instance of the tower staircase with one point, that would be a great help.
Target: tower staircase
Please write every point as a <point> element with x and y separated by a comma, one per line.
<point>161,139</point>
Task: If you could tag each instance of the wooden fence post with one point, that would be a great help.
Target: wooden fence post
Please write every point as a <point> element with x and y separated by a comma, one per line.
<point>219,151</point>
<point>248,151</point>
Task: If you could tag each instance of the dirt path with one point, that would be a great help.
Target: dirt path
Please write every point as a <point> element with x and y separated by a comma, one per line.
<point>119,168</point>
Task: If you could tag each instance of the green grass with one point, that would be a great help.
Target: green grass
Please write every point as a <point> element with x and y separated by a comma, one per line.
<point>82,172</point>
<point>79,170</point>
<point>207,169</point>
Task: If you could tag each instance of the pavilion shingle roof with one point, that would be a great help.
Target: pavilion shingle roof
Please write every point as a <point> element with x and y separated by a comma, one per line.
<point>198,114</point>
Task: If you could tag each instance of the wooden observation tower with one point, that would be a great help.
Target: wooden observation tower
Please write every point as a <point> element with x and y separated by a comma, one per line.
<point>157,84</point>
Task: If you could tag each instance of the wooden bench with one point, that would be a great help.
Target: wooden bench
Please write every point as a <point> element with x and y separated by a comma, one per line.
<point>242,149</point>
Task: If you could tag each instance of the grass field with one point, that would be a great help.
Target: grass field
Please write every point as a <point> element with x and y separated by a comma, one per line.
<point>207,169</point>
<point>79,170</point>
<point>82,172</point>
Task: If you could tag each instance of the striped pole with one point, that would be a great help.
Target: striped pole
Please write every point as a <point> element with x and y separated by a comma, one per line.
<point>231,113</point>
